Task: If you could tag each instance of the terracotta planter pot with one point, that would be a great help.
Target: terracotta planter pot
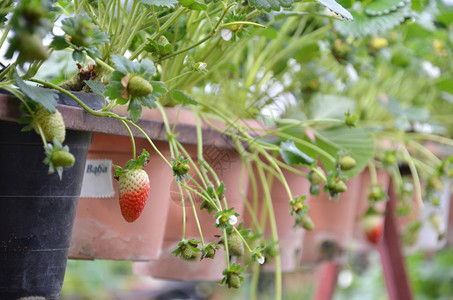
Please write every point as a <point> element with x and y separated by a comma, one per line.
<point>290,238</point>
<point>334,221</point>
<point>100,232</point>
<point>227,164</point>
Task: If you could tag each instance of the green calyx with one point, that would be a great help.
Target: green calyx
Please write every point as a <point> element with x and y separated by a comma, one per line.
<point>180,167</point>
<point>187,249</point>
<point>133,164</point>
<point>232,276</point>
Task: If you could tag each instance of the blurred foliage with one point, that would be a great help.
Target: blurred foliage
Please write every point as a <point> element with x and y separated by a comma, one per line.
<point>101,279</point>
<point>431,277</point>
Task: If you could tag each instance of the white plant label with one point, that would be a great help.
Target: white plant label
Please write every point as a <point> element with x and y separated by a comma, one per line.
<point>97,179</point>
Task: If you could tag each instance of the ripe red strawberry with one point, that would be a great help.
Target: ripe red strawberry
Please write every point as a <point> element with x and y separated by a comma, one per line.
<point>373,225</point>
<point>133,187</point>
<point>52,124</point>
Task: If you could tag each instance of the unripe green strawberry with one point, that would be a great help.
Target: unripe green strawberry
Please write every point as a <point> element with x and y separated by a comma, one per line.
<point>338,187</point>
<point>347,163</point>
<point>162,40</point>
<point>188,253</point>
<point>133,191</point>
<point>62,159</point>
<point>390,159</point>
<point>314,177</point>
<point>436,222</point>
<point>139,86</point>
<point>377,43</point>
<point>52,125</point>
<point>234,280</point>
<point>30,48</point>
<point>435,183</point>
<point>376,193</point>
<point>33,13</point>
<point>181,169</point>
<point>235,244</point>
<point>209,252</point>
<point>307,223</point>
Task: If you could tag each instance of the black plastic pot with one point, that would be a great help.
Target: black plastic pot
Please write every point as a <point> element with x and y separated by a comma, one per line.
<point>37,212</point>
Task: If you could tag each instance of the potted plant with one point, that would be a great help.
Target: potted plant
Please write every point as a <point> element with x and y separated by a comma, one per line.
<point>396,97</point>
<point>152,75</point>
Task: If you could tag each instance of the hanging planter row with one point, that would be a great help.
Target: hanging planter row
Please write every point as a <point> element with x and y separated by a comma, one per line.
<point>100,231</point>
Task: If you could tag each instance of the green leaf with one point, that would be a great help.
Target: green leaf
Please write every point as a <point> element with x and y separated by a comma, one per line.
<point>145,68</point>
<point>160,3</point>
<point>158,88</point>
<point>113,89</point>
<point>148,101</point>
<point>307,53</point>
<point>365,25</point>
<point>337,8</point>
<point>96,87</point>
<point>417,113</point>
<point>182,98</point>
<point>59,43</point>
<point>444,84</point>
<point>392,106</point>
<point>384,7</point>
<point>268,32</point>
<point>78,56</point>
<point>293,156</point>
<point>99,37</point>
<point>330,107</point>
<point>93,52</point>
<point>269,5</point>
<point>46,97</point>
<point>135,109</point>
<point>193,4</point>
<point>120,63</point>
<point>355,142</point>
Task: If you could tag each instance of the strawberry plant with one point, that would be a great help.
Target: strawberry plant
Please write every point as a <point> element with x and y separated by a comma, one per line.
<point>277,61</point>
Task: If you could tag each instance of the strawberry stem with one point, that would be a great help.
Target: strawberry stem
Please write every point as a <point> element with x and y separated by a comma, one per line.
<point>134,152</point>
<point>373,174</point>
<point>178,183</point>
<point>227,254</point>
<point>274,233</point>
<point>196,217</point>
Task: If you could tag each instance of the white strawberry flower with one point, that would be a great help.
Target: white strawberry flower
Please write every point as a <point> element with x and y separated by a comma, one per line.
<point>232,220</point>
<point>260,259</point>
<point>226,34</point>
